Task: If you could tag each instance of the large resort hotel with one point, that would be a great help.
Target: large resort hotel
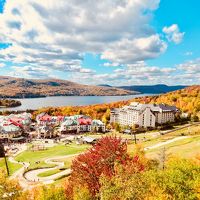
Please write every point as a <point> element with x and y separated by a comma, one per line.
<point>143,115</point>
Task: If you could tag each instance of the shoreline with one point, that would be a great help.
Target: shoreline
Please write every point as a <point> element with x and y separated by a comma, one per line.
<point>69,101</point>
<point>37,97</point>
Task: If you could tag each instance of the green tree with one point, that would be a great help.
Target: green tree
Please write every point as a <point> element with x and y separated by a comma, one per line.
<point>117,127</point>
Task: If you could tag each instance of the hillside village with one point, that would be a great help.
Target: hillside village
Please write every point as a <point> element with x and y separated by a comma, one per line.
<point>43,147</point>
<point>99,100</point>
<point>36,146</point>
<point>22,127</point>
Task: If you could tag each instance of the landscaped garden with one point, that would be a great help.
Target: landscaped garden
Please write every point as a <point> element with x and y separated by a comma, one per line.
<point>36,158</point>
<point>67,165</point>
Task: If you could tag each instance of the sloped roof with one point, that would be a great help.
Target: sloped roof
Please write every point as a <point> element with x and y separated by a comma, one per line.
<point>96,122</point>
<point>70,122</point>
<point>84,121</point>
<point>10,128</point>
<point>154,107</point>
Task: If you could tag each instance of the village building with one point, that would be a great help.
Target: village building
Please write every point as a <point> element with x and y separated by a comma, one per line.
<point>81,123</point>
<point>51,126</point>
<point>45,131</point>
<point>14,126</point>
<point>45,119</point>
<point>143,115</point>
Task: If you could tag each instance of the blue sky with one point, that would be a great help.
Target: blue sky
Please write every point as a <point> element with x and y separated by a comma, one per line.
<point>126,42</point>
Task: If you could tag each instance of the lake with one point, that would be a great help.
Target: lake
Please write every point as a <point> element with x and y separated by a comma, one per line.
<point>57,101</point>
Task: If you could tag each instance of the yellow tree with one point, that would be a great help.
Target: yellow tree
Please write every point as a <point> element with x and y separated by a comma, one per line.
<point>10,189</point>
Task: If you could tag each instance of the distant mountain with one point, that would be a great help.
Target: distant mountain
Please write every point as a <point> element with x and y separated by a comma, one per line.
<point>153,89</point>
<point>27,88</point>
<point>105,85</point>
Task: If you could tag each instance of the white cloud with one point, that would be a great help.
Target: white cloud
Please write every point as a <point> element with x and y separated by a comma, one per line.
<point>139,73</point>
<point>31,72</point>
<point>114,64</point>
<point>129,51</point>
<point>56,34</point>
<point>191,67</point>
<point>188,53</point>
<point>173,33</point>
<point>2,65</point>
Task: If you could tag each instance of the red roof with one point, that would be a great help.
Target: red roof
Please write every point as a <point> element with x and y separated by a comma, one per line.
<point>83,121</point>
<point>45,118</point>
<point>60,118</point>
<point>16,123</point>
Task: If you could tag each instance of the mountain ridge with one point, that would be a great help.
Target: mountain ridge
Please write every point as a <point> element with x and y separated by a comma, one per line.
<point>153,89</point>
<point>11,87</point>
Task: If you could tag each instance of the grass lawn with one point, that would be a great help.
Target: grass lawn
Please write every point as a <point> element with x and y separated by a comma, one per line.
<point>39,156</point>
<point>50,172</point>
<point>123,136</point>
<point>193,131</point>
<point>149,142</point>
<point>186,148</point>
<point>12,166</point>
<point>67,162</point>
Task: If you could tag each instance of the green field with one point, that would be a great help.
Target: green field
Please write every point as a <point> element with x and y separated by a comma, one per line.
<point>192,130</point>
<point>67,162</point>
<point>36,158</point>
<point>50,172</point>
<point>123,136</point>
<point>12,166</point>
<point>185,148</point>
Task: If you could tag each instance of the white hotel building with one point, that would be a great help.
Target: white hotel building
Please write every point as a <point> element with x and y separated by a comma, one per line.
<point>144,115</point>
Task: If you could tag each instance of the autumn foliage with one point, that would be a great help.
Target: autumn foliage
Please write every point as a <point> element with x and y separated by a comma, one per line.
<point>100,160</point>
<point>187,100</point>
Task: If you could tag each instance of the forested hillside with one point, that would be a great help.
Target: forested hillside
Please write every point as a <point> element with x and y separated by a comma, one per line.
<point>9,103</point>
<point>187,100</point>
<point>28,88</point>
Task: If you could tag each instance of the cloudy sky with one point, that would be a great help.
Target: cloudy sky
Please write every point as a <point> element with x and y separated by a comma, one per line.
<point>121,42</point>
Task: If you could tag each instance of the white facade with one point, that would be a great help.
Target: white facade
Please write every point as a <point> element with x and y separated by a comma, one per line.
<point>144,115</point>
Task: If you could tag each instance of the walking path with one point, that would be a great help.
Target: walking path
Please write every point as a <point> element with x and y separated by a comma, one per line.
<point>33,174</point>
<point>30,179</point>
<point>19,173</point>
<point>166,142</point>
